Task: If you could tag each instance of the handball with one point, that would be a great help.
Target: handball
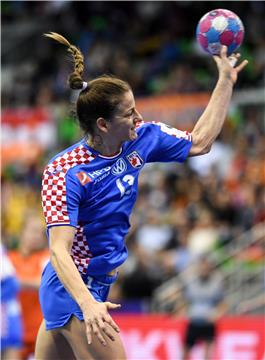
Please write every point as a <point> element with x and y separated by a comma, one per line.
<point>220,27</point>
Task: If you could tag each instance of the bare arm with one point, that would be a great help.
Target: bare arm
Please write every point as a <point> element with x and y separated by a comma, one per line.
<point>95,313</point>
<point>211,122</point>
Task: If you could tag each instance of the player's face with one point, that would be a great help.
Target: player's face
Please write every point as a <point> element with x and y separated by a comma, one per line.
<point>124,122</point>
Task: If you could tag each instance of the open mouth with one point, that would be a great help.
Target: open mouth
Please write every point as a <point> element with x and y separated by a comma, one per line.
<point>133,134</point>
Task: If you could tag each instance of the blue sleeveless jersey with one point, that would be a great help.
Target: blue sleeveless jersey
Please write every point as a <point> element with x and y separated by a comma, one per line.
<point>96,194</point>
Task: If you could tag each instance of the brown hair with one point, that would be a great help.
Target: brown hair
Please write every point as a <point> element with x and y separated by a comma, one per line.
<point>102,95</point>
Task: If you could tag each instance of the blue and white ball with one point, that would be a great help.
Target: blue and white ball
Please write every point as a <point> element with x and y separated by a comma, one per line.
<point>220,27</point>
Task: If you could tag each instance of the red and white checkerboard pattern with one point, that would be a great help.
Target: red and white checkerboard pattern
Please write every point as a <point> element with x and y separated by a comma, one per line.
<point>54,200</point>
<point>54,184</point>
<point>80,251</point>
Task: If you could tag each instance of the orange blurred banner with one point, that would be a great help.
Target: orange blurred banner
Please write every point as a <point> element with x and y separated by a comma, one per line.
<point>177,110</point>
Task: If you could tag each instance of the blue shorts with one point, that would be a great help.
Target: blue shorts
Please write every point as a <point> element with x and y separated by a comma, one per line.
<point>57,304</point>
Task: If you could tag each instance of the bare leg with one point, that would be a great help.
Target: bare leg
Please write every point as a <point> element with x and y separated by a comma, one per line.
<point>186,353</point>
<point>209,350</point>
<point>52,345</point>
<point>74,332</point>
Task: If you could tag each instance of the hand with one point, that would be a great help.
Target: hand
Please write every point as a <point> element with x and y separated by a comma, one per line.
<point>226,64</point>
<point>96,316</point>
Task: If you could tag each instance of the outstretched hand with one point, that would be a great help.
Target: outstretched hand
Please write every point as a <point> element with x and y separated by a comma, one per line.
<point>226,64</point>
<point>97,319</point>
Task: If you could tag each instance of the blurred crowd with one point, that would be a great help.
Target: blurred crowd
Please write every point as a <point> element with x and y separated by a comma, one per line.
<point>183,210</point>
<point>151,44</point>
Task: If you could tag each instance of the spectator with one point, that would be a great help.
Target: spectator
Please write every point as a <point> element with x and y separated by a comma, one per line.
<point>11,336</point>
<point>205,305</point>
<point>29,261</point>
<point>203,237</point>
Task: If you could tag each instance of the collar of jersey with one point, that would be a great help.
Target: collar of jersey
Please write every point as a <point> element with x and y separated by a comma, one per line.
<point>84,143</point>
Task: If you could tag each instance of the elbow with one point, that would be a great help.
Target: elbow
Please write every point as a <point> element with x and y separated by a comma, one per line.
<point>53,257</point>
<point>197,150</point>
<point>206,149</point>
<point>57,254</point>
<point>200,146</point>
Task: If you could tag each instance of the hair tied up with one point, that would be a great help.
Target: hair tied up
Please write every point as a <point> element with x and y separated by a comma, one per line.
<point>84,86</point>
<point>75,78</point>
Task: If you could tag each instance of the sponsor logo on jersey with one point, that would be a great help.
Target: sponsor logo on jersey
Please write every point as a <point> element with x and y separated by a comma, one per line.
<point>83,177</point>
<point>119,167</point>
<point>99,172</point>
<point>99,178</point>
<point>135,159</point>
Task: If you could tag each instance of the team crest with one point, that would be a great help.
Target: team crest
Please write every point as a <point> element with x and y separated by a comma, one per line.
<point>135,160</point>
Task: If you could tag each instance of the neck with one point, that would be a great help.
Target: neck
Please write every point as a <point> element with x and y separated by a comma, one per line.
<point>103,147</point>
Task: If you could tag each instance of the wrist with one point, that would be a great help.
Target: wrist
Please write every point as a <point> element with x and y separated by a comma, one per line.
<point>225,80</point>
<point>86,303</point>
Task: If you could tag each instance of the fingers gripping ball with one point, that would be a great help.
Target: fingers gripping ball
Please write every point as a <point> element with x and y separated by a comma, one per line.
<point>220,27</point>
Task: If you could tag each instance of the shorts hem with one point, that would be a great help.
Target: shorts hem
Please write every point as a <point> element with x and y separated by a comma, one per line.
<point>50,325</point>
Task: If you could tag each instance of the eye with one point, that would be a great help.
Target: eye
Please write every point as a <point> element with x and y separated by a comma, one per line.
<point>130,112</point>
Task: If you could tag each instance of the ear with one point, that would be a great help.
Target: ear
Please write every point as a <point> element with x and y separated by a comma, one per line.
<point>102,124</point>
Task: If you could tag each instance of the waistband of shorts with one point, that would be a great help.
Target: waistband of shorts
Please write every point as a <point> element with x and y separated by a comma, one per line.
<point>107,279</point>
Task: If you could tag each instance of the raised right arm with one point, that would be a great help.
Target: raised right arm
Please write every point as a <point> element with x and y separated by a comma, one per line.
<point>211,121</point>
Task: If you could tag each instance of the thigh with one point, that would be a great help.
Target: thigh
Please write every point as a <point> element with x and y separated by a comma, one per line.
<point>75,334</point>
<point>52,345</point>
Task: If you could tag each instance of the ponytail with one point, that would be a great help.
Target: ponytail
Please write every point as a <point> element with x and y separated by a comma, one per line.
<point>99,97</point>
<point>75,78</point>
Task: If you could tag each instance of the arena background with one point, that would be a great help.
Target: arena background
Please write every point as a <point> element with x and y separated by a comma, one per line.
<point>212,204</point>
